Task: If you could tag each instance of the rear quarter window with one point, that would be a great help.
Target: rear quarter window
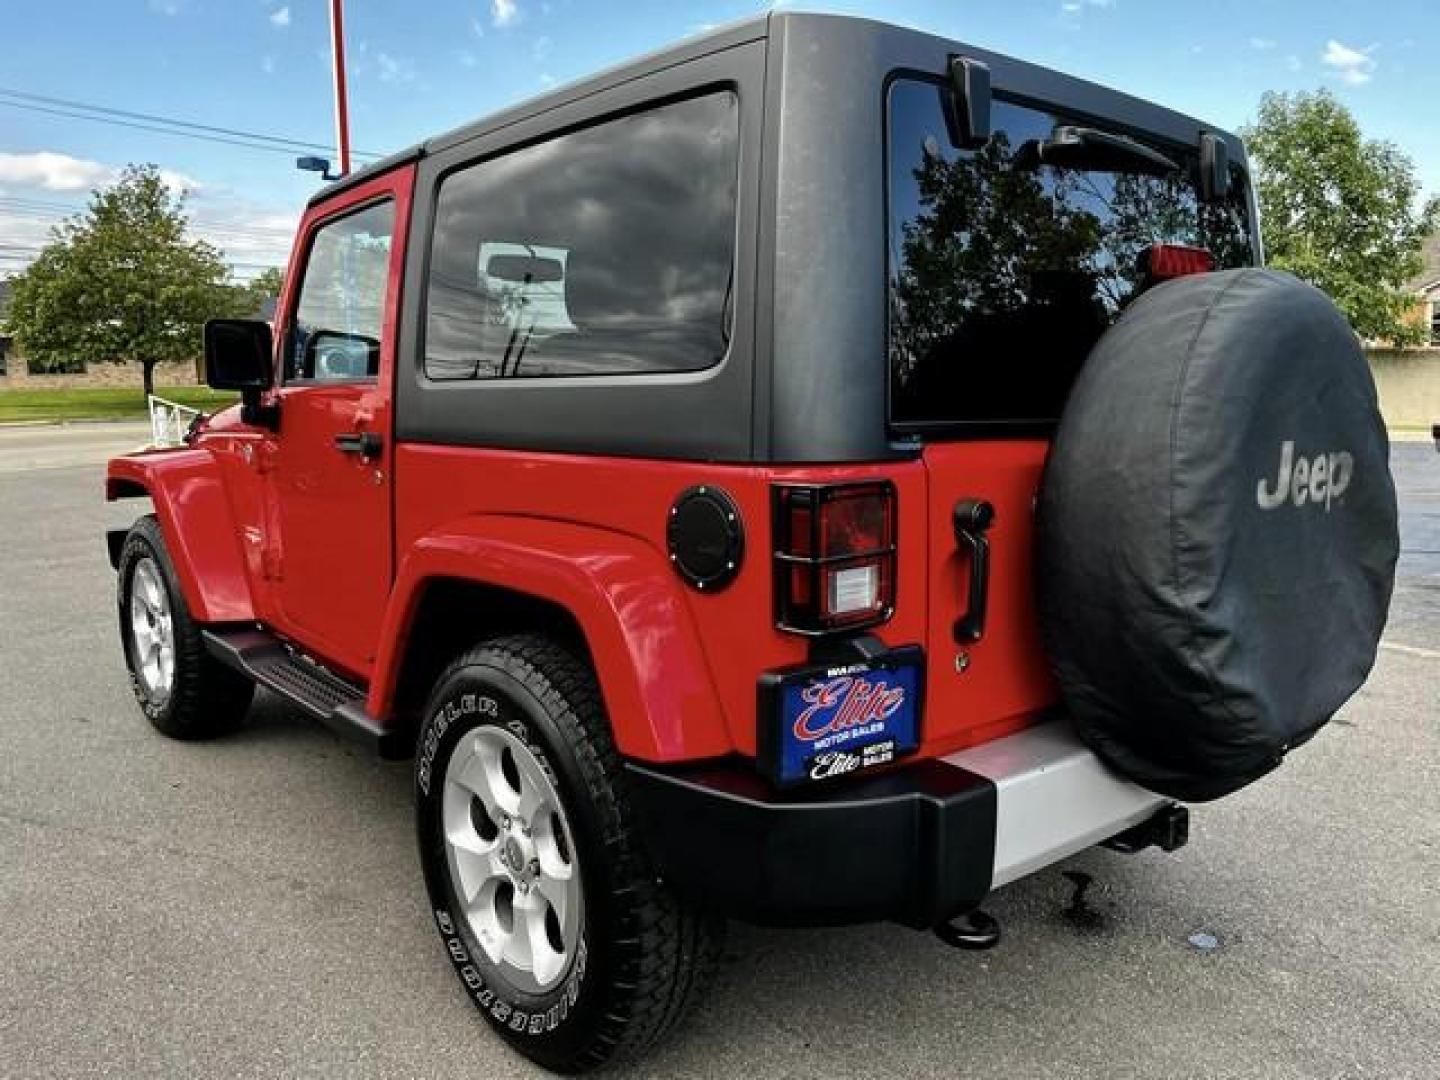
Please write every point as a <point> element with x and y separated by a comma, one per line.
<point>604,251</point>
<point>1003,273</point>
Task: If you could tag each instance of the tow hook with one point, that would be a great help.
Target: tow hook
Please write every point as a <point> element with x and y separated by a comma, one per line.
<point>972,931</point>
<point>1168,829</point>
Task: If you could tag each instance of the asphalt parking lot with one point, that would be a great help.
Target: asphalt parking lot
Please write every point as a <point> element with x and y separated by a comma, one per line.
<point>253,907</point>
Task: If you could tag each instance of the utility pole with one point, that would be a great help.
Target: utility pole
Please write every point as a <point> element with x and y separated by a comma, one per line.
<point>342,108</point>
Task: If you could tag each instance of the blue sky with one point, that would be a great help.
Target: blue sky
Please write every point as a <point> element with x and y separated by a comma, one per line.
<point>421,67</point>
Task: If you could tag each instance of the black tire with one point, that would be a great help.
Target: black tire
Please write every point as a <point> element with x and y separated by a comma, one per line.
<point>642,955</point>
<point>204,698</point>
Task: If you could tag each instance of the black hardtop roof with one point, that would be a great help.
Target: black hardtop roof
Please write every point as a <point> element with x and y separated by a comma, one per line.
<point>723,37</point>
<point>713,41</point>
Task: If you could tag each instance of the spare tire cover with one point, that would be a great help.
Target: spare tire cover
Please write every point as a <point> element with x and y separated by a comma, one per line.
<point>1216,531</point>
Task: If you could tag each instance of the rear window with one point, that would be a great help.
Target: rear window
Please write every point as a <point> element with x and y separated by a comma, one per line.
<point>604,251</point>
<point>1004,272</point>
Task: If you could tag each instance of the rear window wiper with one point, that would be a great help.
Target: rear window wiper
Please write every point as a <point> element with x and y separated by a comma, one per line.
<point>1091,149</point>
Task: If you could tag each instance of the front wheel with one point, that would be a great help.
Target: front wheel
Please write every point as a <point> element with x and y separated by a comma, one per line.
<point>553,919</point>
<point>183,691</point>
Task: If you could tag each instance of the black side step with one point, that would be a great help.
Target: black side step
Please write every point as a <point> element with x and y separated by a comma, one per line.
<point>336,703</point>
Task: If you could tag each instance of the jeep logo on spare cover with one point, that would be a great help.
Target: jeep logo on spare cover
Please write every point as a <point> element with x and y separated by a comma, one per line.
<point>820,695</point>
<point>1319,480</point>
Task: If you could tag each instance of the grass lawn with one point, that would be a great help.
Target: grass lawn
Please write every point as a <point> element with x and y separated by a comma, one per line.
<point>101,403</point>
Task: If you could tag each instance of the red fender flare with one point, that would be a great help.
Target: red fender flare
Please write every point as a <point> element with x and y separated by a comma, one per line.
<point>194,513</point>
<point>657,687</point>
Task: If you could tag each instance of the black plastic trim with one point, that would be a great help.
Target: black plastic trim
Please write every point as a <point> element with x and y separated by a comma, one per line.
<point>114,542</point>
<point>337,703</point>
<point>914,846</point>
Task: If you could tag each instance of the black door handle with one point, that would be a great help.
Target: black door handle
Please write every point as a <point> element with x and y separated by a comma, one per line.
<point>973,518</point>
<point>365,443</point>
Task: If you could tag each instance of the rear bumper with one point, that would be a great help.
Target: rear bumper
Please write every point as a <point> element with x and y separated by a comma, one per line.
<point>916,846</point>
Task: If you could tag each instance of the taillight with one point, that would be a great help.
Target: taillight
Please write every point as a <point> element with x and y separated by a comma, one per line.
<point>834,556</point>
<point>1166,261</point>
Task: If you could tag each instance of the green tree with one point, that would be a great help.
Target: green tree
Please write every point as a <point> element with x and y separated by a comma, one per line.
<point>1341,211</point>
<point>121,281</point>
<point>263,290</point>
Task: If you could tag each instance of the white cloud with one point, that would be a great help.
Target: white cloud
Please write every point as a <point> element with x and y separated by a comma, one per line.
<point>261,236</point>
<point>246,232</point>
<point>395,69</point>
<point>53,172</point>
<point>540,47</point>
<point>280,17</point>
<point>166,7</point>
<point>1353,66</point>
<point>504,12</point>
<point>1075,7</point>
<point>1262,43</point>
<point>179,183</point>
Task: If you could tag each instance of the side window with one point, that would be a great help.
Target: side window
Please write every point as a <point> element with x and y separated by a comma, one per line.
<point>605,251</point>
<point>342,298</point>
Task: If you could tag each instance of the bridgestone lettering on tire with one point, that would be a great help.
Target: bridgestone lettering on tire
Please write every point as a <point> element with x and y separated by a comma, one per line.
<point>515,730</point>
<point>183,691</point>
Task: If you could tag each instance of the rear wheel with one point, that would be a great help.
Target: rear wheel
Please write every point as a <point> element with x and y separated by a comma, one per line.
<point>549,910</point>
<point>183,691</point>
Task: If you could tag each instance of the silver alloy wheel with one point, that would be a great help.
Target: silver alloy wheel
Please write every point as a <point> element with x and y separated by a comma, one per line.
<point>511,858</point>
<point>152,631</point>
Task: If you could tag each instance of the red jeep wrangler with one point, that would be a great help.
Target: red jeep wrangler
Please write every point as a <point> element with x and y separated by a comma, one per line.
<point>814,474</point>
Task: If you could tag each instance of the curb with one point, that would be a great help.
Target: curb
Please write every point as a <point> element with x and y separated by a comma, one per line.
<point>80,421</point>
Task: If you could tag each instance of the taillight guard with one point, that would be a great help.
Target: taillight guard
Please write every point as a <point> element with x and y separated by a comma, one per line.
<point>835,556</point>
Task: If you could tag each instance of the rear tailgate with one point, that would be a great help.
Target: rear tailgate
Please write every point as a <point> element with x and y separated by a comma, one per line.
<point>981,690</point>
<point>1008,260</point>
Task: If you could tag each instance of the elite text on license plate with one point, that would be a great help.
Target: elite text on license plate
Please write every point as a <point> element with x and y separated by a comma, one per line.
<point>817,723</point>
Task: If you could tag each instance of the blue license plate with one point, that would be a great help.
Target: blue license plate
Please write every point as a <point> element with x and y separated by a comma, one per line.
<point>820,723</point>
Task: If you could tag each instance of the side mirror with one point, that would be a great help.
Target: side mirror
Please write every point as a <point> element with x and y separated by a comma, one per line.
<point>239,355</point>
<point>970,102</point>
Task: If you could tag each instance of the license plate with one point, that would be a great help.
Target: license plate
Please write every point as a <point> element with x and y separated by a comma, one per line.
<point>823,722</point>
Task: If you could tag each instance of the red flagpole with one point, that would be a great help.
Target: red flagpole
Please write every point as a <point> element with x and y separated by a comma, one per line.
<point>342,108</point>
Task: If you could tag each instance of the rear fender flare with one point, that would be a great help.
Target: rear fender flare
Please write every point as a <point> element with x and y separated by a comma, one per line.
<point>188,493</point>
<point>657,687</point>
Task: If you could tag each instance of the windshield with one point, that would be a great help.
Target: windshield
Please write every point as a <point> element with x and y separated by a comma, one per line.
<point>1005,269</point>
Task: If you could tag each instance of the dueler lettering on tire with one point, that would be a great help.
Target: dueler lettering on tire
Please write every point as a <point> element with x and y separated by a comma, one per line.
<point>543,899</point>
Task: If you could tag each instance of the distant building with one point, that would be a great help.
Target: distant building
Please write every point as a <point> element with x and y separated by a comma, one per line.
<point>1426,288</point>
